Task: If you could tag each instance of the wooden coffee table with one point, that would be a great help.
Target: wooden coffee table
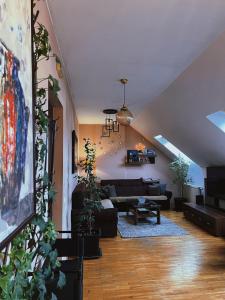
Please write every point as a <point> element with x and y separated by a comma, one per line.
<point>146,210</point>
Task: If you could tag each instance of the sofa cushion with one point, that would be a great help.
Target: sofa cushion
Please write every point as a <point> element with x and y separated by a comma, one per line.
<point>122,182</point>
<point>107,203</point>
<point>162,188</point>
<point>154,190</point>
<point>131,198</point>
<point>131,190</point>
<point>108,191</point>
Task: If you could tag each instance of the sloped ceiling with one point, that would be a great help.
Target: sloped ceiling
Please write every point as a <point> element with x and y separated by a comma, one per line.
<point>179,113</point>
<point>151,42</point>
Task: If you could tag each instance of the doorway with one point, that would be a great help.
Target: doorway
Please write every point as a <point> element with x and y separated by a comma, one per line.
<point>55,157</point>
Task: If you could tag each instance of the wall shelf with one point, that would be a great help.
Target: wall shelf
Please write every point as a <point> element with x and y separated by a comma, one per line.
<point>135,158</point>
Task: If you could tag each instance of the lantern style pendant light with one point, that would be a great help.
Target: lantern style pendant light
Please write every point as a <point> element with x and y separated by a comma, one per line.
<point>124,116</point>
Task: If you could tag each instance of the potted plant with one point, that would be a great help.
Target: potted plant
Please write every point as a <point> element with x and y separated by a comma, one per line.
<point>83,219</point>
<point>180,168</point>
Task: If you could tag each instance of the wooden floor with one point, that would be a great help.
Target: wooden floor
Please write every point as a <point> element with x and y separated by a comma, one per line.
<point>170,268</point>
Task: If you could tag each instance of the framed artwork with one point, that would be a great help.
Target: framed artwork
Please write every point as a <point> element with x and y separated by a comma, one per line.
<point>105,132</point>
<point>16,118</point>
<point>74,152</point>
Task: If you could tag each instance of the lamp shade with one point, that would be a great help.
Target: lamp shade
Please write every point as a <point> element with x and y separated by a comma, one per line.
<point>124,116</point>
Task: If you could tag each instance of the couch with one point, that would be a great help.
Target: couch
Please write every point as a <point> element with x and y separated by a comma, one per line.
<point>106,219</point>
<point>127,191</point>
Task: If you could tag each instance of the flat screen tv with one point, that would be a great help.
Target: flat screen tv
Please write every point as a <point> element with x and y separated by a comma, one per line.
<point>215,187</point>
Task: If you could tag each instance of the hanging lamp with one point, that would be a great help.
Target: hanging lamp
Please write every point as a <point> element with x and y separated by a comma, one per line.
<point>124,116</point>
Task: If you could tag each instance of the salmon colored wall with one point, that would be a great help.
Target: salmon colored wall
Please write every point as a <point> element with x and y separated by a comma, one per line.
<point>111,153</point>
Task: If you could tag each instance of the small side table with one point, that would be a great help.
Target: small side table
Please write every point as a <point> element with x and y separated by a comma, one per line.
<point>179,201</point>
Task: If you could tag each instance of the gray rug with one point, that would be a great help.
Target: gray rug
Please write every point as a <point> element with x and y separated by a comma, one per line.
<point>147,227</point>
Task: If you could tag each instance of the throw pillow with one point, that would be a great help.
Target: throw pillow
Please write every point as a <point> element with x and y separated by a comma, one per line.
<point>162,188</point>
<point>108,191</point>
<point>154,190</point>
<point>112,191</point>
<point>104,192</point>
<point>106,203</point>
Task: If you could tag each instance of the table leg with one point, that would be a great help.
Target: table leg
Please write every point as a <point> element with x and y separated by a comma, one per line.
<point>135,219</point>
<point>158,216</point>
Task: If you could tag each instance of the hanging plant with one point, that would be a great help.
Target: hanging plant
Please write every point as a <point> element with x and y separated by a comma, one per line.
<point>30,261</point>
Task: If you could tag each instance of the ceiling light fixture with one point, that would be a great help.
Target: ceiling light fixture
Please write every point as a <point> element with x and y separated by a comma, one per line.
<point>111,124</point>
<point>124,116</point>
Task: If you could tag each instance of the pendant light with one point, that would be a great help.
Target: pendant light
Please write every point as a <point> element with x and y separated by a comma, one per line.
<point>111,125</point>
<point>124,116</point>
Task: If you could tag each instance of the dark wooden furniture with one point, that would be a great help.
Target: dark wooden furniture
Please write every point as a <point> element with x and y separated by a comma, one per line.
<point>142,211</point>
<point>178,202</point>
<point>105,219</point>
<point>208,218</point>
<point>133,187</point>
<point>72,267</point>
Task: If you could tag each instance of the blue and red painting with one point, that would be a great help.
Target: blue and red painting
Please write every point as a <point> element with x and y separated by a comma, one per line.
<point>16,117</point>
<point>13,140</point>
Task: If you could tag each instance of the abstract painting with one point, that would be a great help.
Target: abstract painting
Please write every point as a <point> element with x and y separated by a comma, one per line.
<point>16,118</point>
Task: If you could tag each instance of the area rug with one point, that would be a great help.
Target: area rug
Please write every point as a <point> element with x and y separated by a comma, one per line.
<point>147,227</point>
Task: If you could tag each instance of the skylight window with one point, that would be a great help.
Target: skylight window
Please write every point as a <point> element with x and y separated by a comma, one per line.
<point>195,171</point>
<point>218,119</point>
<point>163,141</point>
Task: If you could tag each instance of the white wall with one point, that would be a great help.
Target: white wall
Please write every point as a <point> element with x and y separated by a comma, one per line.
<point>69,116</point>
<point>111,153</point>
<point>179,114</point>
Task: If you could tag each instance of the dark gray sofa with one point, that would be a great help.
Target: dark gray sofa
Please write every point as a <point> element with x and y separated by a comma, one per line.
<point>129,190</point>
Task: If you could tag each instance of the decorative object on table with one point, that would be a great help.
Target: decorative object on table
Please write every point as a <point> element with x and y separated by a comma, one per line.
<point>124,116</point>
<point>111,124</point>
<point>74,151</point>
<point>180,168</point>
<point>148,227</point>
<point>16,121</point>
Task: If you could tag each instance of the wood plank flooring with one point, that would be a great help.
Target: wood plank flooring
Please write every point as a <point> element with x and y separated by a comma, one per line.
<point>159,268</point>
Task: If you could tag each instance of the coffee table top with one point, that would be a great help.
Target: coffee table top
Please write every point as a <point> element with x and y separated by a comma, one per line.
<point>147,204</point>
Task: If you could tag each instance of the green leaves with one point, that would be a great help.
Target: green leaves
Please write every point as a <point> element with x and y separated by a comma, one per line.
<point>54,84</point>
<point>180,168</point>
<point>62,280</point>
<point>41,42</point>
<point>32,259</point>
<point>92,192</point>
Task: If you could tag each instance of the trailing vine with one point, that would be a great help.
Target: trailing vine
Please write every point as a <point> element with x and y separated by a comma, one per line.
<point>30,260</point>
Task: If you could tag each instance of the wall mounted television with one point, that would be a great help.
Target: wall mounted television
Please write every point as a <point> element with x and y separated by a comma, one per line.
<point>215,187</point>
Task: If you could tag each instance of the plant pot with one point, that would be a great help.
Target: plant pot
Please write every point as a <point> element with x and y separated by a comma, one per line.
<point>73,289</point>
<point>91,244</point>
<point>178,202</point>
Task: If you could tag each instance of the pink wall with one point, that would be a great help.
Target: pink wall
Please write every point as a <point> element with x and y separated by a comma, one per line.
<point>111,153</point>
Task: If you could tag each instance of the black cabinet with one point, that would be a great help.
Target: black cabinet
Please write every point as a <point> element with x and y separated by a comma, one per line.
<point>178,202</point>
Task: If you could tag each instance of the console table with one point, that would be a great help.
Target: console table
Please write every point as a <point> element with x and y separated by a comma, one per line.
<point>210,219</point>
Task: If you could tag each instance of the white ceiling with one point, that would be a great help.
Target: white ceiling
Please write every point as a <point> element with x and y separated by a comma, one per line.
<point>151,42</point>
